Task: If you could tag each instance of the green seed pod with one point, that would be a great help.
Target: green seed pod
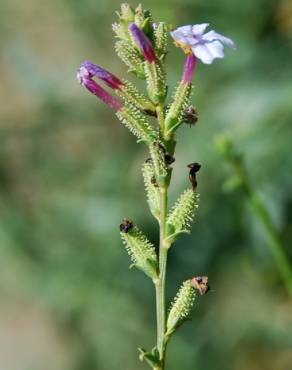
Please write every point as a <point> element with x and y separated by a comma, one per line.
<point>181,99</point>
<point>160,37</point>
<point>182,214</point>
<point>151,186</point>
<point>155,79</point>
<point>181,306</point>
<point>131,57</point>
<point>131,94</point>
<point>133,119</point>
<point>141,251</point>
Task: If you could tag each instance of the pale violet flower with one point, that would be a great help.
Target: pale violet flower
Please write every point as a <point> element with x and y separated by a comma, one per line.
<point>205,46</point>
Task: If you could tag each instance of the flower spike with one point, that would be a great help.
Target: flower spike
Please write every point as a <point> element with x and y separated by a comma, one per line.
<point>205,46</point>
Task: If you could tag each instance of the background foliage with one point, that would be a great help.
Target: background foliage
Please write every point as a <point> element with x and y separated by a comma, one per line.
<point>69,173</point>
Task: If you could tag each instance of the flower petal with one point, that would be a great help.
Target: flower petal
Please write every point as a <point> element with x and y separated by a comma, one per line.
<point>199,29</point>
<point>178,36</point>
<point>216,49</point>
<point>182,33</point>
<point>202,52</point>
<point>212,35</point>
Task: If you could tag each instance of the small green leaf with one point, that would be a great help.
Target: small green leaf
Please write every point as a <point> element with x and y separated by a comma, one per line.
<point>151,358</point>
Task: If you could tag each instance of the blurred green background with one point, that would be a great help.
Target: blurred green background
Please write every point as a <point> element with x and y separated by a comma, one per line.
<point>69,172</point>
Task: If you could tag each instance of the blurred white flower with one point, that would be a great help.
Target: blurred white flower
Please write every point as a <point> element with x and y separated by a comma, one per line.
<point>205,46</point>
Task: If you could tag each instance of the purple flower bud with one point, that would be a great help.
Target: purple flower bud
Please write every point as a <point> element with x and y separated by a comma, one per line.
<point>108,78</point>
<point>189,67</point>
<point>85,79</point>
<point>143,43</point>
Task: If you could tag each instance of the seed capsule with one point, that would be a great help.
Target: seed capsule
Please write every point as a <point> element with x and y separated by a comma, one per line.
<point>194,168</point>
<point>190,115</point>
<point>201,283</point>
<point>126,225</point>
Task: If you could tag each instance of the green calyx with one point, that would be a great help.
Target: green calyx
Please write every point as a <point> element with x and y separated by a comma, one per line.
<point>135,121</point>
<point>131,94</point>
<point>160,38</point>
<point>181,307</point>
<point>180,101</point>
<point>151,186</point>
<point>131,57</point>
<point>182,214</point>
<point>157,152</point>
<point>141,251</point>
<point>155,79</point>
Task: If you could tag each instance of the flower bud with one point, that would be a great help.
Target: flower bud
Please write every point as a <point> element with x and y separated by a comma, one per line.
<point>92,70</point>
<point>84,78</point>
<point>143,43</point>
<point>127,13</point>
<point>160,37</point>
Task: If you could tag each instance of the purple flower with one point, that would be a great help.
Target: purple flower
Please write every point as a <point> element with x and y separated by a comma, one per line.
<point>205,46</point>
<point>84,77</point>
<point>189,67</point>
<point>143,43</point>
<point>108,78</point>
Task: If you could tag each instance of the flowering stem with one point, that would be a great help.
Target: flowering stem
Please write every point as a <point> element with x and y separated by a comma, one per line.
<point>160,118</point>
<point>163,250</point>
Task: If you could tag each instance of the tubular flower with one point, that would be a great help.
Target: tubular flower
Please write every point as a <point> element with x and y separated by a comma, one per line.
<point>84,77</point>
<point>143,43</point>
<point>205,46</point>
<point>108,78</point>
<point>189,67</point>
<point>123,89</point>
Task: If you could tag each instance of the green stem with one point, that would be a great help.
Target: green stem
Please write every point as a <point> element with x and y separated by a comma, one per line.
<point>276,245</point>
<point>160,118</point>
<point>160,285</point>
<point>163,250</point>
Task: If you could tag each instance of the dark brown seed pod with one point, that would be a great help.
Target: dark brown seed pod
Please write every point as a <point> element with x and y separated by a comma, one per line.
<point>126,225</point>
<point>194,168</point>
<point>201,283</point>
<point>190,116</point>
<point>169,159</point>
